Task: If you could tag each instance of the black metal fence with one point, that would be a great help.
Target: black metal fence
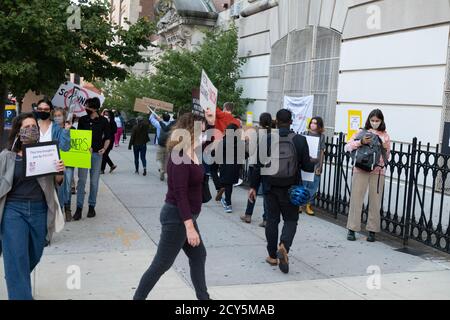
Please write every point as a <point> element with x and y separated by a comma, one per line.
<point>416,199</point>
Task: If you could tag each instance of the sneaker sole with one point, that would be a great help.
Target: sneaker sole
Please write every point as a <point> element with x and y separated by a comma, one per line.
<point>283,265</point>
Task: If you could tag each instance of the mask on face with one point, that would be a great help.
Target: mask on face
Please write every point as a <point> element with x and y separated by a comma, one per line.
<point>43,115</point>
<point>59,120</point>
<point>375,125</point>
<point>29,135</point>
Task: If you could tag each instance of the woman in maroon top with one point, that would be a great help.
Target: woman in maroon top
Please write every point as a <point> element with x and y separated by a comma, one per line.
<point>181,209</point>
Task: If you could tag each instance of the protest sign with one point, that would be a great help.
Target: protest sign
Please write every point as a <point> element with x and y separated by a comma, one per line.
<point>40,159</point>
<point>208,93</point>
<point>313,144</point>
<point>141,105</point>
<point>73,98</point>
<point>79,155</point>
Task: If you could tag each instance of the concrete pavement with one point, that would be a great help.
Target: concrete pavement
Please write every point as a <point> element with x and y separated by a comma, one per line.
<point>112,251</point>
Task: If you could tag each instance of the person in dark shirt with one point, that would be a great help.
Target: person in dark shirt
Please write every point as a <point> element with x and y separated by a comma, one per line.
<point>113,129</point>
<point>101,133</point>
<point>138,141</point>
<point>180,211</point>
<point>276,194</point>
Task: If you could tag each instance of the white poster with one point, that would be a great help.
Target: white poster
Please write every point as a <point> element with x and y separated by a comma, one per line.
<point>302,110</point>
<point>314,145</point>
<point>73,98</point>
<point>208,93</point>
<point>41,159</point>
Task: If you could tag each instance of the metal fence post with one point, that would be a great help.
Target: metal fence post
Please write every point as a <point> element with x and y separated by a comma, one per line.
<point>411,186</point>
<point>338,173</point>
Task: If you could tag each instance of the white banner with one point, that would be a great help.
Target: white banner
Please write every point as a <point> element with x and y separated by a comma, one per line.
<point>208,93</point>
<point>73,98</point>
<point>302,111</point>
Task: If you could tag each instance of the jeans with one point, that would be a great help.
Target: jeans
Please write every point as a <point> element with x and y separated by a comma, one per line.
<point>96,162</point>
<point>278,202</point>
<point>140,150</point>
<point>68,178</point>
<point>312,187</point>
<point>24,228</point>
<point>173,239</point>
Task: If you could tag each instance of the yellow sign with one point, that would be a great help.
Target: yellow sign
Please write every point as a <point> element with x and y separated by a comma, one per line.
<point>249,119</point>
<point>354,122</point>
<point>79,155</point>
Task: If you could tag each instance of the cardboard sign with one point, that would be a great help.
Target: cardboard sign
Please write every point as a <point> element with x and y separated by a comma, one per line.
<point>354,122</point>
<point>208,93</point>
<point>141,105</point>
<point>79,155</point>
<point>73,97</point>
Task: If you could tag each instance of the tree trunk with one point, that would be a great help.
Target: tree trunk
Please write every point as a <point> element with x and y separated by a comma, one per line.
<point>3,97</point>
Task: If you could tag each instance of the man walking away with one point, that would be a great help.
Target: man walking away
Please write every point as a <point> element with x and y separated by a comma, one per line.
<point>293,157</point>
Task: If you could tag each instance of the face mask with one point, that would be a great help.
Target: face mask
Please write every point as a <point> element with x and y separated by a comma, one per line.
<point>375,125</point>
<point>29,135</point>
<point>43,115</point>
<point>59,120</point>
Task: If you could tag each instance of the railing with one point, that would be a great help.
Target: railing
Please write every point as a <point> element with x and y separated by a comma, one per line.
<point>416,202</point>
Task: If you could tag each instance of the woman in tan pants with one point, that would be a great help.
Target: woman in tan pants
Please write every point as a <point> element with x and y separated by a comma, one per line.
<point>363,180</point>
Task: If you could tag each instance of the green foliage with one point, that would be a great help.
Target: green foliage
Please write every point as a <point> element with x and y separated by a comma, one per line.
<point>179,71</point>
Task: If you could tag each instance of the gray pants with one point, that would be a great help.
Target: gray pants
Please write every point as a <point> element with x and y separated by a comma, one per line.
<point>161,157</point>
<point>173,239</point>
<point>360,183</point>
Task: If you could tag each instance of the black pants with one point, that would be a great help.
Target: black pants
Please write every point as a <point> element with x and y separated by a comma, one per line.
<point>228,193</point>
<point>106,158</point>
<point>214,171</point>
<point>173,239</point>
<point>278,204</point>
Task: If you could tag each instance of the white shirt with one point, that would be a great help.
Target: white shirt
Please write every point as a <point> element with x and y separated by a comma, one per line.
<point>118,122</point>
<point>47,137</point>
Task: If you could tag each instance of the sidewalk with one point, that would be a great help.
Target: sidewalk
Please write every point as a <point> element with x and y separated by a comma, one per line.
<point>115,248</point>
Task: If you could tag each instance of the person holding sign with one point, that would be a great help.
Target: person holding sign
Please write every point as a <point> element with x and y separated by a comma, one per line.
<point>100,142</point>
<point>28,209</point>
<point>315,129</point>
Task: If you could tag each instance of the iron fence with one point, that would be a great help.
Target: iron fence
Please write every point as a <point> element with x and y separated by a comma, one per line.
<point>416,201</point>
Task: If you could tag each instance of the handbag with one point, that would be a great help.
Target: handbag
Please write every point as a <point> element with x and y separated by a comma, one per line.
<point>206,194</point>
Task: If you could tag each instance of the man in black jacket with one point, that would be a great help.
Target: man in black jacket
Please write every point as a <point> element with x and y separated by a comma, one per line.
<point>276,194</point>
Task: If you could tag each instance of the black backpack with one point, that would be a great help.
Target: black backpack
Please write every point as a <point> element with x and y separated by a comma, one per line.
<point>288,172</point>
<point>368,157</point>
<point>164,133</point>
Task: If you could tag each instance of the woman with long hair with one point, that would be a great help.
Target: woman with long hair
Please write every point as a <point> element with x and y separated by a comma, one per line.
<point>373,181</point>
<point>181,209</point>
<point>28,209</point>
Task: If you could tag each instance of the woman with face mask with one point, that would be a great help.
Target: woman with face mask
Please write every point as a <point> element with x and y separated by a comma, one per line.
<point>28,208</point>
<point>50,130</point>
<point>372,181</point>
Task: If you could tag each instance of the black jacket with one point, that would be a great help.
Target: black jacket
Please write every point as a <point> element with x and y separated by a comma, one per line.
<point>304,161</point>
<point>139,135</point>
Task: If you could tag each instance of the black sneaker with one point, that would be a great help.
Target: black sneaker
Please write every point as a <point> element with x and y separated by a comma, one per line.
<point>371,237</point>
<point>351,235</point>
<point>77,215</point>
<point>145,172</point>
<point>91,212</point>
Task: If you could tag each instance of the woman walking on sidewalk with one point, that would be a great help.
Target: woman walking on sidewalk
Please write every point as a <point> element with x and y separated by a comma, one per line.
<point>138,141</point>
<point>180,211</point>
<point>113,129</point>
<point>28,209</point>
<point>120,124</point>
<point>373,180</point>
<point>316,129</point>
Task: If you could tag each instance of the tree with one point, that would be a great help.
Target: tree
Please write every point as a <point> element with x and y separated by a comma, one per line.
<point>38,49</point>
<point>179,71</point>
